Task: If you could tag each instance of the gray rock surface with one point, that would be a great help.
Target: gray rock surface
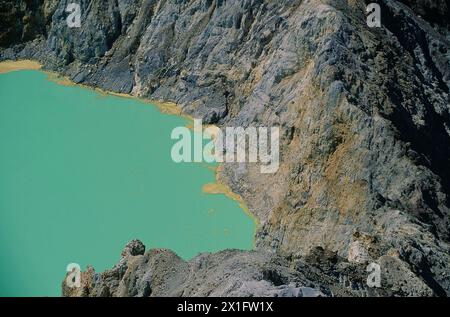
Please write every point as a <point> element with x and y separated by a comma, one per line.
<point>365,131</point>
<point>161,272</point>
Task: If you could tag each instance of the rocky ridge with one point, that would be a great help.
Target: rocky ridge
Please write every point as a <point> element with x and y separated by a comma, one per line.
<point>365,132</point>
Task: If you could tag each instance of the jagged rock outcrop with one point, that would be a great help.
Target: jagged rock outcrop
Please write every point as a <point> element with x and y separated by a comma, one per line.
<point>364,116</point>
<point>237,273</point>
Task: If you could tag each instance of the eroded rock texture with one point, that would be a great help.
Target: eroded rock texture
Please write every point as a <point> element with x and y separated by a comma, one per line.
<point>365,132</point>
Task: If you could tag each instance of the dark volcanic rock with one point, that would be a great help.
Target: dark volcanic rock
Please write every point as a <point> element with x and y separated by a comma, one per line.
<point>161,272</point>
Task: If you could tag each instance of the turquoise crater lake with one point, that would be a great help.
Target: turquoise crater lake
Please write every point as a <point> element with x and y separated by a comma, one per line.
<point>82,173</point>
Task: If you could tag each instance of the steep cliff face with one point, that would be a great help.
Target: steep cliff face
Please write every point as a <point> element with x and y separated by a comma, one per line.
<point>364,116</point>
<point>23,21</point>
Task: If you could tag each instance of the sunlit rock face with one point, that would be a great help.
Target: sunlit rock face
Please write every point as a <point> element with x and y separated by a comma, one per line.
<point>364,116</point>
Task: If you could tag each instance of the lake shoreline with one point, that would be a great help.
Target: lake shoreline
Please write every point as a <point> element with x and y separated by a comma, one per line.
<point>26,64</point>
<point>169,108</point>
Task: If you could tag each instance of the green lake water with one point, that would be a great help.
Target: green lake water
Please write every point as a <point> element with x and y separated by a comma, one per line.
<point>83,173</point>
